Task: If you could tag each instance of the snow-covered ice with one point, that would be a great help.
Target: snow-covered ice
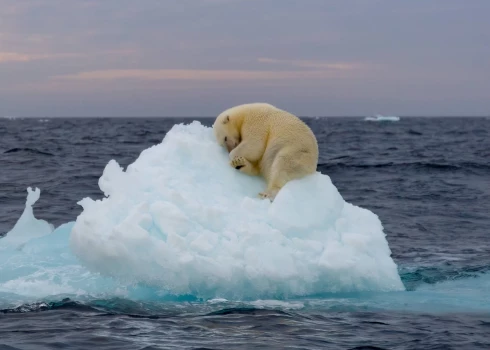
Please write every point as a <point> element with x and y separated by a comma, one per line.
<point>181,221</point>
<point>181,218</point>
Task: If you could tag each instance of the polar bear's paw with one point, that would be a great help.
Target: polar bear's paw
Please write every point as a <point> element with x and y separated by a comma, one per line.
<point>238,162</point>
<point>270,194</point>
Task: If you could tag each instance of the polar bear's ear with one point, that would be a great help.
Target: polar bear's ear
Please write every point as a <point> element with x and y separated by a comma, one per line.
<point>227,119</point>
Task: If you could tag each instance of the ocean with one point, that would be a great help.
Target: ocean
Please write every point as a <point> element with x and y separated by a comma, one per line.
<point>427,179</point>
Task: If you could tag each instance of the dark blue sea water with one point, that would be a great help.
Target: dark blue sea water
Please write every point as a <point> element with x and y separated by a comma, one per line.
<point>428,180</point>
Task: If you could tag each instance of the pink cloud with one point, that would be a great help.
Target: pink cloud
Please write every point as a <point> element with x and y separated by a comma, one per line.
<point>28,57</point>
<point>196,74</point>
<point>313,64</point>
<point>25,57</point>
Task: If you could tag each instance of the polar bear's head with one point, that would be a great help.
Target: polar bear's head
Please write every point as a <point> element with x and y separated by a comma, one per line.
<point>227,129</point>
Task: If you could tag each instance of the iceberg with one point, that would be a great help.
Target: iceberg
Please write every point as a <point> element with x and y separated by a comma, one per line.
<point>382,118</point>
<point>180,221</point>
<point>27,227</point>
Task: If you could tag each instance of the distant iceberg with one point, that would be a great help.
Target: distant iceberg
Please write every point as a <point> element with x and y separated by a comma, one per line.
<point>382,118</point>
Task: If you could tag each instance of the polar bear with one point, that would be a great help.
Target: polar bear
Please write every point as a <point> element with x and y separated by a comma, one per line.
<point>262,139</point>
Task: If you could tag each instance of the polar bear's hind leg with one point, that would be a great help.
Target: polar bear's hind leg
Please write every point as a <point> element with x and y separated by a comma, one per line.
<point>286,166</point>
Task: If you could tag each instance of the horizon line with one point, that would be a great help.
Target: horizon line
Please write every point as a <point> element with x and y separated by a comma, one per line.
<point>210,116</point>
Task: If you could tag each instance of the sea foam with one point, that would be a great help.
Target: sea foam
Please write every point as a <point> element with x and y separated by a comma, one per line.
<point>181,221</point>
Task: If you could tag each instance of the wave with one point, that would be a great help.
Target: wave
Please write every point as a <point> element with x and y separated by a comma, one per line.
<point>244,311</point>
<point>416,277</point>
<point>63,304</point>
<point>414,132</point>
<point>415,165</point>
<point>27,150</point>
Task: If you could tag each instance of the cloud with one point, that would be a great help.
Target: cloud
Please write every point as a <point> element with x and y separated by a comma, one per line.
<point>310,57</point>
<point>28,57</point>
<point>313,64</point>
<point>195,74</point>
<point>24,57</point>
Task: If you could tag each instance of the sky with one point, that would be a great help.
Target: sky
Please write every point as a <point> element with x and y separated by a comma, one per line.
<point>200,57</point>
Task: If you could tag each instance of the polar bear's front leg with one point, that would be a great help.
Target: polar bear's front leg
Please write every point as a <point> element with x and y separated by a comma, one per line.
<point>243,158</point>
<point>251,151</point>
<point>242,164</point>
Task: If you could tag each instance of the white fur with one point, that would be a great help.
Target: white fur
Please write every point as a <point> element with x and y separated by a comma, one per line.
<point>265,140</point>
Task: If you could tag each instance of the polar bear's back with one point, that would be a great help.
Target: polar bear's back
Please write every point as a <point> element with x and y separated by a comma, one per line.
<point>280,133</point>
<point>272,142</point>
<point>282,126</point>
